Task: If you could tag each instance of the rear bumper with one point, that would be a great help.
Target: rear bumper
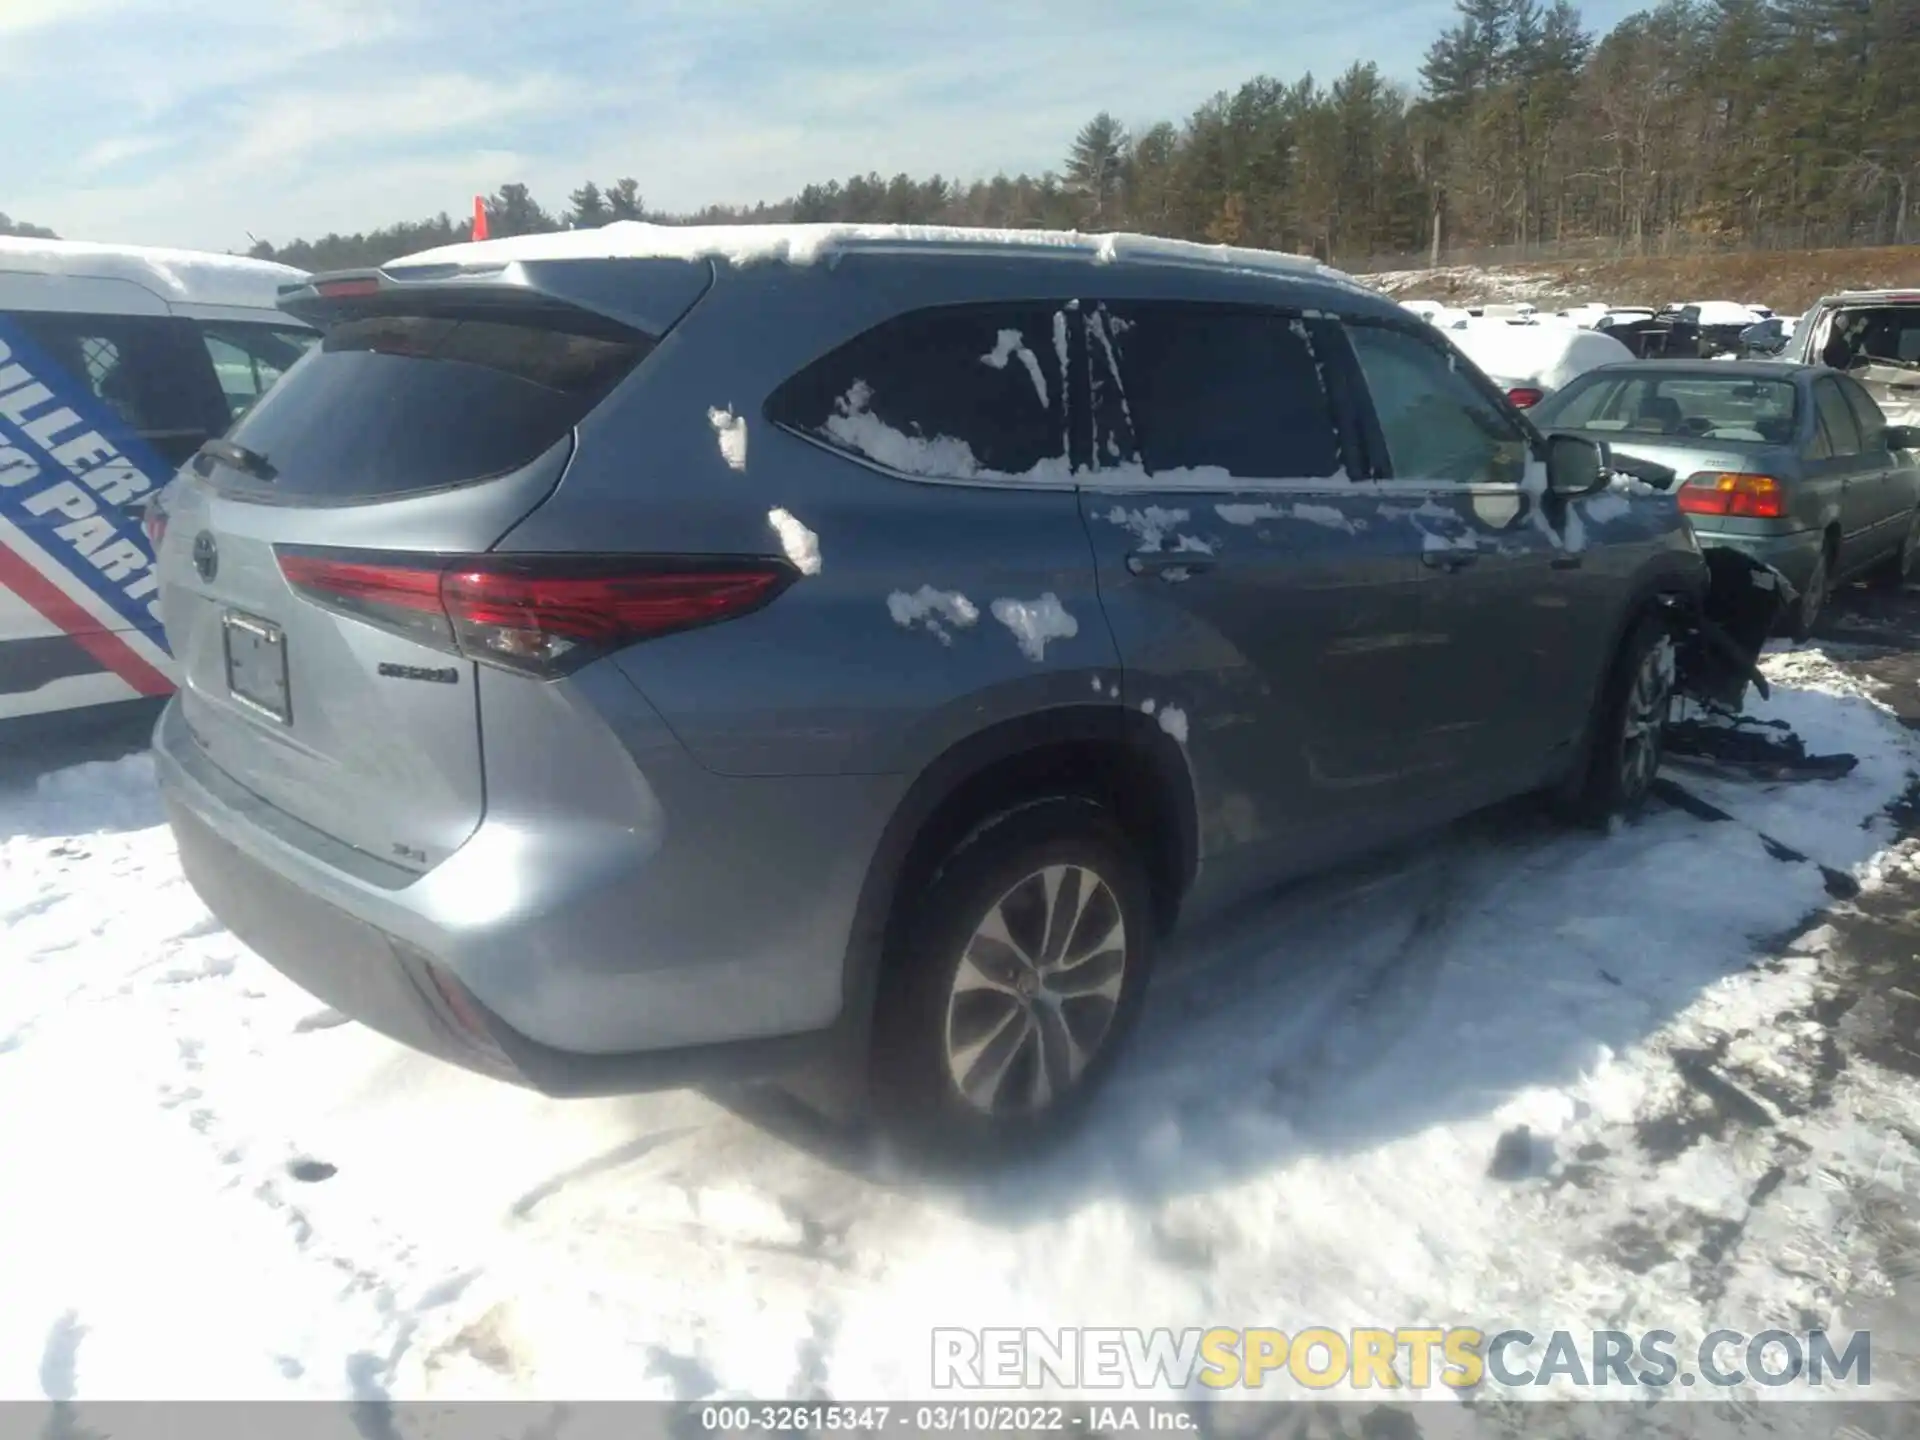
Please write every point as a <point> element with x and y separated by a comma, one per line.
<point>1793,555</point>
<point>595,975</point>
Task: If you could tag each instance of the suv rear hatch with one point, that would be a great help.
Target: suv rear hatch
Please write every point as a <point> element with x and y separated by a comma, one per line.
<point>1877,342</point>
<point>307,559</point>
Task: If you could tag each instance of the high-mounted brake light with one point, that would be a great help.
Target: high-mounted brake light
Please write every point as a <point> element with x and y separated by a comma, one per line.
<point>345,289</point>
<point>542,615</point>
<point>1525,397</point>
<point>1733,493</point>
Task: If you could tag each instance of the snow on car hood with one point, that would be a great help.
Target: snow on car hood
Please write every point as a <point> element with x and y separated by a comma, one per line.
<point>1544,356</point>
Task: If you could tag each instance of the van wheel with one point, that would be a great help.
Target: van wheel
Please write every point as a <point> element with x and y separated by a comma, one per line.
<point>1021,969</point>
<point>1629,734</point>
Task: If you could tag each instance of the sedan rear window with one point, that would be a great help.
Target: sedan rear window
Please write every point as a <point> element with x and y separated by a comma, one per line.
<point>1711,407</point>
<point>395,404</point>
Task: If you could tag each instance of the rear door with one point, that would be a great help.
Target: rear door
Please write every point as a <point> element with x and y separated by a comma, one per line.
<point>423,430</point>
<point>96,411</point>
<point>1263,616</point>
<point>1857,475</point>
<point>1893,479</point>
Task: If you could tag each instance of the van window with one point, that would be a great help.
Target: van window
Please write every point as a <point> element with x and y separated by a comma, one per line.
<point>149,370</point>
<point>965,392</point>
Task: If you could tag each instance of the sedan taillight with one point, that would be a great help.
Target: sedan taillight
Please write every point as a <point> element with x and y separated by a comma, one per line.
<point>1733,493</point>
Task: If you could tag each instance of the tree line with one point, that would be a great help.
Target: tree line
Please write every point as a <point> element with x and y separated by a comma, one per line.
<point>1763,123</point>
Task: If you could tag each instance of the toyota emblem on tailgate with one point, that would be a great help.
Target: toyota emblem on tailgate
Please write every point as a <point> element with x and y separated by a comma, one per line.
<point>206,555</point>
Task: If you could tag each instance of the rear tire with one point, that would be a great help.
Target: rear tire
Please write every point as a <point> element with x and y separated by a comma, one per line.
<point>1020,970</point>
<point>1629,731</point>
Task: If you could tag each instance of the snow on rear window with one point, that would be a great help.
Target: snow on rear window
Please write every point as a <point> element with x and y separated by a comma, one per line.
<point>937,393</point>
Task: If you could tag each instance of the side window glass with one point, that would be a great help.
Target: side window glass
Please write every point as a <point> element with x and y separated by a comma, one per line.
<point>247,359</point>
<point>1212,392</point>
<point>1867,411</point>
<point>140,368</point>
<point>1843,434</point>
<point>964,393</point>
<point>1820,447</point>
<point>1437,423</point>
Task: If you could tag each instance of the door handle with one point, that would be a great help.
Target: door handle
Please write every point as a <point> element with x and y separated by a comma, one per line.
<point>1158,562</point>
<point>1448,560</point>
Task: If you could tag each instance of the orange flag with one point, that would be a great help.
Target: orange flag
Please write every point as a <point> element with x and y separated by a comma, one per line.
<point>479,218</point>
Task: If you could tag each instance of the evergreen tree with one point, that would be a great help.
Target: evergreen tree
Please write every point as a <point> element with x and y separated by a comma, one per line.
<point>1096,166</point>
<point>589,208</point>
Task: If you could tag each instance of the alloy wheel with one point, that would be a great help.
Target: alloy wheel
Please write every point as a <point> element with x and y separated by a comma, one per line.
<point>1036,990</point>
<point>1648,699</point>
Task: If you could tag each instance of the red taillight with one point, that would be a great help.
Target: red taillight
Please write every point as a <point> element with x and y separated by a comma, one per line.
<point>1733,493</point>
<point>346,289</point>
<point>541,614</point>
<point>1525,397</point>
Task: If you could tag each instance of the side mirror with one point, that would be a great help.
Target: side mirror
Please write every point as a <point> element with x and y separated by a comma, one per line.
<point>1903,437</point>
<point>1575,466</point>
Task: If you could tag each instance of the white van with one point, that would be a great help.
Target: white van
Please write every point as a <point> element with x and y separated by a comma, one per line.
<point>116,364</point>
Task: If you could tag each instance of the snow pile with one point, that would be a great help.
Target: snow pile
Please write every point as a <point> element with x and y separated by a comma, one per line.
<point>1035,622</point>
<point>193,277</point>
<point>1542,356</point>
<point>801,545</point>
<point>942,456</point>
<point>731,429</point>
<point>217,1189</point>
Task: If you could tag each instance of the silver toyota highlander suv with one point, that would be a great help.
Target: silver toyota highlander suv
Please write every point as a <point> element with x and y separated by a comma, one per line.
<point>637,657</point>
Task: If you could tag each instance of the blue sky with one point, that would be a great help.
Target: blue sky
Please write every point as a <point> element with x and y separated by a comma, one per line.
<point>193,122</point>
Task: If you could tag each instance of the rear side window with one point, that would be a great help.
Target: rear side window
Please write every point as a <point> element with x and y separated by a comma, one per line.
<point>1181,387</point>
<point>149,370</point>
<point>1836,418</point>
<point>973,392</point>
<point>1867,411</point>
<point>394,404</point>
<point>1436,423</point>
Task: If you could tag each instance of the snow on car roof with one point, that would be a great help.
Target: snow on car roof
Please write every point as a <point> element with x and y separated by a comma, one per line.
<point>805,244</point>
<point>1723,312</point>
<point>193,277</point>
<point>1545,356</point>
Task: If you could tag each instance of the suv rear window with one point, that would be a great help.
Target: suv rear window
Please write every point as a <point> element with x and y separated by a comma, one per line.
<point>971,392</point>
<point>394,404</point>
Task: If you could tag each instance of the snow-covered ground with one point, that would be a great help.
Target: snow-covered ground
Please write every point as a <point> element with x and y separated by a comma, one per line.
<point>215,1189</point>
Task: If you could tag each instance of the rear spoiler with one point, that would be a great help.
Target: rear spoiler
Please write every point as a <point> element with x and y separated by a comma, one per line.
<point>649,296</point>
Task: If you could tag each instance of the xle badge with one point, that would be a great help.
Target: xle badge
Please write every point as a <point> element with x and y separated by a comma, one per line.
<point>439,675</point>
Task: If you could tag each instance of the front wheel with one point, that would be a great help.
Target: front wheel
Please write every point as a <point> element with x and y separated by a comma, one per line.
<point>1629,731</point>
<point>1022,967</point>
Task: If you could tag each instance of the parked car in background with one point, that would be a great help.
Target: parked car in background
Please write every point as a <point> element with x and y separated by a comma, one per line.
<point>1586,315</point>
<point>1873,335</point>
<point>119,362</point>
<point>1790,464</point>
<point>1765,338</point>
<point>1531,362</point>
<point>1706,328</point>
<point>913,641</point>
<point>1632,327</point>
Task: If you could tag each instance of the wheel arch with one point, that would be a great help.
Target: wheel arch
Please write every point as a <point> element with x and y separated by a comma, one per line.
<point>1114,755</point>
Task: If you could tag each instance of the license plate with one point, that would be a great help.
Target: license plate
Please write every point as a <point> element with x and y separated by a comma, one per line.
<point>257,666</point>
